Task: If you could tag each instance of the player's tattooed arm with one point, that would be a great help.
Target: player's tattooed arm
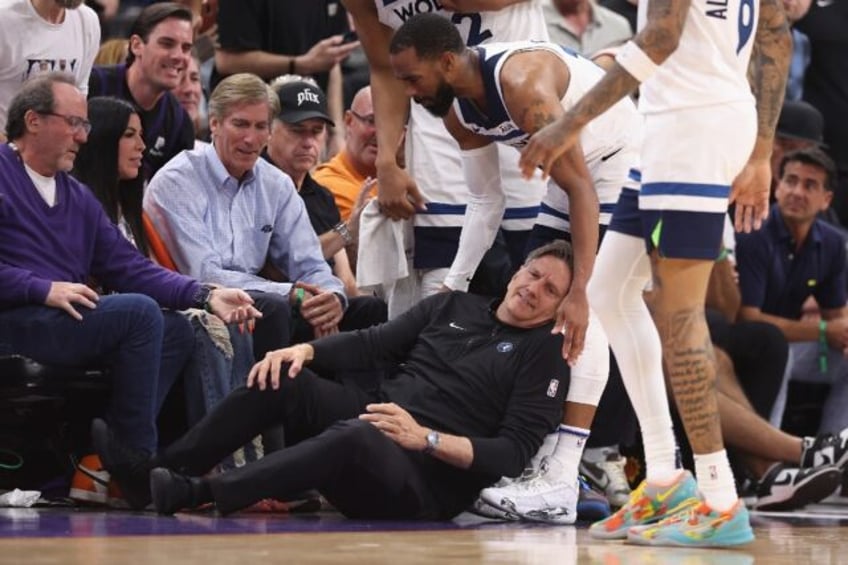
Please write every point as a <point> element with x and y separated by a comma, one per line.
<point>658,39</point>
<point>769,69</point>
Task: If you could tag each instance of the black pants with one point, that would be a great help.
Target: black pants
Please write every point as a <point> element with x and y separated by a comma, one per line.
<point>360,471</point>
<point>273,329</point>
<point>279,328</point>
<point>759,352</point>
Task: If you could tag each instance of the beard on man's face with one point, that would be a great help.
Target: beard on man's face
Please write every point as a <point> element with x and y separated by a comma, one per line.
<point>440,103</point>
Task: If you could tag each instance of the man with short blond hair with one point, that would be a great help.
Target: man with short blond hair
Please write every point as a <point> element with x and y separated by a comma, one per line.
<point>229,217</point>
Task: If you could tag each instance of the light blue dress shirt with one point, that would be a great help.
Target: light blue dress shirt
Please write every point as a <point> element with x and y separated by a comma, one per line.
<point>221,231</point>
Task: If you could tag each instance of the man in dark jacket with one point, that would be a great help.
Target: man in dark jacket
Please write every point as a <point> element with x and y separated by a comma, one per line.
<point>478,384</point>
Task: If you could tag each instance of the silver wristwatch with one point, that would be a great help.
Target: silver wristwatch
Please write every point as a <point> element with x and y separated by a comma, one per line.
<point>341,229</point>
<point>432,441</point>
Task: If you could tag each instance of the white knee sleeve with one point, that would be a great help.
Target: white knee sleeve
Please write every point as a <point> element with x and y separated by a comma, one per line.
<point>589,375</point>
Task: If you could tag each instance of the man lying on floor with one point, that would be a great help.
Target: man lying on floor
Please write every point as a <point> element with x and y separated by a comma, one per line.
<point>477,386</point>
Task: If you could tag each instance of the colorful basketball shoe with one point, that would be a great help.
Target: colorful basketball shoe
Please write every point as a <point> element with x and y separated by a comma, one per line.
<point>648,504</point>
<point>700,526</point>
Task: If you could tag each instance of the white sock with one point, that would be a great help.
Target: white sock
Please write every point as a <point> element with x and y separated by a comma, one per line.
<point>569,450</point>
<point>660,453</point>
<point>715,480</point>
<point>546,450</point>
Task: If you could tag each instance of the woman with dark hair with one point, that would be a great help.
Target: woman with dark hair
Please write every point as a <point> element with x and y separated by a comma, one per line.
<point>109,163</point>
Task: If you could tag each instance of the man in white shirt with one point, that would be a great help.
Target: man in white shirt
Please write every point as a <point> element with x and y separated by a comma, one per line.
<point>40,36</point>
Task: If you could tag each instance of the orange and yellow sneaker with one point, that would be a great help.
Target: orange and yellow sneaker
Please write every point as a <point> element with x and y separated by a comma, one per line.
<point>648,504</point>
<point>700,526</point>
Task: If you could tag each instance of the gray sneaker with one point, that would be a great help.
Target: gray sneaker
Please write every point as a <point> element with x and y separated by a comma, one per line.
<point>608,476</point>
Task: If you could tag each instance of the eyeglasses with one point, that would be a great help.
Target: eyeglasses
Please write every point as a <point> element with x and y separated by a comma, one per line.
<point>77,123</point>
<point>367,120</point>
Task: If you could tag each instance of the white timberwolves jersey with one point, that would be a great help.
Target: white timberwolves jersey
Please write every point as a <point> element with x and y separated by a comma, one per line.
<point>610,143</point>
<point>618,127</point>
<point>710,64</point>
<point>433,157</point>
<point>519,21</point>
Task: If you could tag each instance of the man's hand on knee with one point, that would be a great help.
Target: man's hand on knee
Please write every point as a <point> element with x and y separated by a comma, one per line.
<point>269,367</point>
<point>64,295</point>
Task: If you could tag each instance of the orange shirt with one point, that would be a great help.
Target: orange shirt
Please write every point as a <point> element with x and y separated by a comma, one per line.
<point>340,177</point>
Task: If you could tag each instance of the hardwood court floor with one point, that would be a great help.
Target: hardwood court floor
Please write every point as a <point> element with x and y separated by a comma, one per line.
<point>47,536</point>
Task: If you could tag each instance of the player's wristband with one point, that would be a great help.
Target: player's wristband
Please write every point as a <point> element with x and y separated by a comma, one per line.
<point>299,295</point>
<point>636,62</point>
<point>823,346</point>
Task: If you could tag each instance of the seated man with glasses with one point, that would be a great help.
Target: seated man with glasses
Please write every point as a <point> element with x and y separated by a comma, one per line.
<point>76,123</point>
<point>55,238</point>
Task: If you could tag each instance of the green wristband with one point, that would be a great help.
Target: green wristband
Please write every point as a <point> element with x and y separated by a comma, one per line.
<point>823,346</point>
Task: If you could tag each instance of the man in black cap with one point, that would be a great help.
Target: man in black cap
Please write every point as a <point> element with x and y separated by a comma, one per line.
<point>298,134</point>
<point>800,126</point>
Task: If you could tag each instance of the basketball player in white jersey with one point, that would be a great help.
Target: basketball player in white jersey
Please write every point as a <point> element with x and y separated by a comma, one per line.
<point>495,94</point>
<point>441,167</point>
<point>707,142</point>
<point>432,157</point>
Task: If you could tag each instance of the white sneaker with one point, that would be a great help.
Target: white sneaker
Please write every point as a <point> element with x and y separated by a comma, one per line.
<point>481,508</point>
<point>608,476</point>
<point>540,499</point>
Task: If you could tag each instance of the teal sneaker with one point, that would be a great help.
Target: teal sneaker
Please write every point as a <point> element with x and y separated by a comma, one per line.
<point>701,526</point>
<point>648,504</point>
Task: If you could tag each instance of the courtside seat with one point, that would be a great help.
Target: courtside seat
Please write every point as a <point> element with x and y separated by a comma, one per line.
<point>45,414</point>
<point>24,380</point>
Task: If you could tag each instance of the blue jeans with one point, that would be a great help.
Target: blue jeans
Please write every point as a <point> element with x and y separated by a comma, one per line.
<point>144,347</point>
<point>212,374</point>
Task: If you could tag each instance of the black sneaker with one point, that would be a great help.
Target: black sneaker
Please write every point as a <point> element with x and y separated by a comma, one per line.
<point>128,466</point>
<point>171,491</point>
<point>825,449</point>
<point>788,488</point>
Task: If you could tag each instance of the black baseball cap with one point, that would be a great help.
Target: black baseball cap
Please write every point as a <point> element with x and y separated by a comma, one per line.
<point>302,100</point>
<point>801,120</point>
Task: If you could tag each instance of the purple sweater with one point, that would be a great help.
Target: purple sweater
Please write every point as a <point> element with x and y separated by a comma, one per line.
<point>70,242</point>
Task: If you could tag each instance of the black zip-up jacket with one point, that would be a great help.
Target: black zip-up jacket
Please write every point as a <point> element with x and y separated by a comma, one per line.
<point>462,372</point>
